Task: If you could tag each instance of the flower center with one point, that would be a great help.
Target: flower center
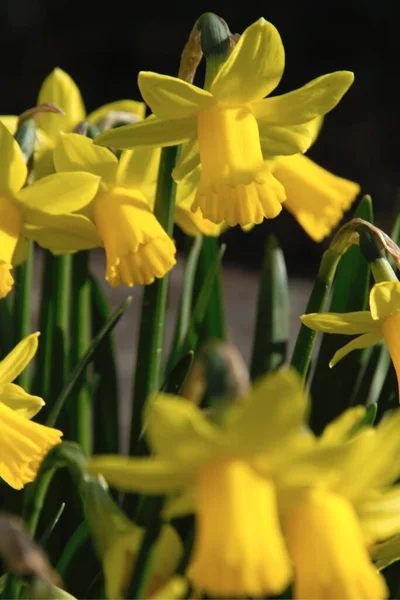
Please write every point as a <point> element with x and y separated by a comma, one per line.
<point>391,333</point>
<point>328,550</point>
<point>10,227</point>
<point>236,185</point>
<point>239,550</point>
<point>137,248</point>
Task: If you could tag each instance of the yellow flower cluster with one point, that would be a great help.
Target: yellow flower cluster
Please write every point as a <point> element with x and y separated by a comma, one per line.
<point>242,157</point>
<point>273,503</point>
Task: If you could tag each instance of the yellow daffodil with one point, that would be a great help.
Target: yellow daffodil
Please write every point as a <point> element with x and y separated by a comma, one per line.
<point>382,321</point>
<point>238,549</point>
<point>19,206</point>
<point>315,197</point>
<point>232,126</point>
<point>60,89</point>
<point>23,444</point>
<point>118,540</point>
<point>118,217</point>
<point>332,520</point>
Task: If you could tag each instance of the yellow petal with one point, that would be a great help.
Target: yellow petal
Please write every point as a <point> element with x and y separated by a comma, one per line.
<point>340,429</point>
<point>23,445</point>
<point>43,163</point>
<point>61,234</point>
<point>60,193</point>
<point>10,230</point>
<point>21,251</point>
<point>10,121</point>
<point>148,133</point>
<point>235,185</point>
<point>390,331</point>
<point>13,169</point>
<point>284,141</point>
<point>172,98</point>
<point>384,299</point>
<point>138,169</point>
<point>351,323</point>
<point>314,99</point>
<point>16,361</point>
<point>175,588</point>
<point>137,248</point>
<point>145,475</point>
<point>316,198</point>
<point>380,514</point>
<point>363,341</point>
<point>263,421</point>
<point>172,418</point>
<point>328,550</point>
<point>189,159</point>
<point>254,68</point>
<point>19,401</point>
<point>239,549</point>
<point>60,89</point>
<point>74,152</point>
<point>128,106</point>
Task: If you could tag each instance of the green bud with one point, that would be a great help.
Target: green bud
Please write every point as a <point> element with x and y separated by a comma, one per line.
<point>26,138</point>
<point>215,42</point>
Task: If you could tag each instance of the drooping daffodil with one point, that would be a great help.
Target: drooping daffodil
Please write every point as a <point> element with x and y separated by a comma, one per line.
<point>382,321</point>
<point>19,206</point>
<point>23,443</point>
<point>332,517</point>
<point>239,549</point>
<point>117,216</point>
<point>233,127</point>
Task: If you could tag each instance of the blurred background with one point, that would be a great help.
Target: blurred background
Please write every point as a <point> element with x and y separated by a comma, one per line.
<point>104,45</point>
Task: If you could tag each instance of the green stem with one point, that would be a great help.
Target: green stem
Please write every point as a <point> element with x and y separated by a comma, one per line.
<point>62,293</point>
<point>81,413</point>
<point>43,372</point>
<point>213,325</point>
<point>6,329</point>
<point>154,303</point>
<point>22,312</point>
<point>306,338</point>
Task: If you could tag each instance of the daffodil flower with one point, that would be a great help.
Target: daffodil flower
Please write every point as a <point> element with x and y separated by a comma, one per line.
<point>331,520</point>
<point>19,206</point>
<point>117,217</point>
<point>233,127</point>
<point>239,549</point>
<point>23,444</point>
<point>382,321</point>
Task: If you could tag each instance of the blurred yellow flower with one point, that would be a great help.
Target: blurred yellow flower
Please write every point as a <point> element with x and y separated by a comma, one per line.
<point>238,548</point>
<point>232,127</point>
<point>382,321</point>
<point>23,444</point>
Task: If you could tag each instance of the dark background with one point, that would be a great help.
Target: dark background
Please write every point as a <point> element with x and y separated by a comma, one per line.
<point>104,45</point>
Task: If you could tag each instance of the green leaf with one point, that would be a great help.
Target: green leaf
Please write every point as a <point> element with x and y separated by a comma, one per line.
<point>106,392</point>
<point>81,366</point>
<point>185,304</point>
<point>176,379</point>
<point>271,330</point>
<point>332,389</point>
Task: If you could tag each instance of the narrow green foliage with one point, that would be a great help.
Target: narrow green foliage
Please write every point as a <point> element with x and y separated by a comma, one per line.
<point>51,526</point>
<point>79,537</point>
<point>214,317</point>
<point>106,392</point>
<point>176,379</point>
<point>81,335</point>
<point>332,389</point>
<point>43,369</point>
<point>271,329</point>
<point>86,358</point>
<point>6,332</point>
<point>154,303</point>
<point>185,304</point>
<point>22,309</point>
<point>62,275</point>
